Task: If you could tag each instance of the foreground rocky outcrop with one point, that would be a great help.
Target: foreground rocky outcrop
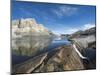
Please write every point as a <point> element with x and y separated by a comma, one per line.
<point>60,59</point>
<point>30,65</point>
<point>65,58</point>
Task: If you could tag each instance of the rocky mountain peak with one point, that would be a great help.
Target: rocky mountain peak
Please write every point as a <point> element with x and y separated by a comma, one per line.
<point>25,26</point>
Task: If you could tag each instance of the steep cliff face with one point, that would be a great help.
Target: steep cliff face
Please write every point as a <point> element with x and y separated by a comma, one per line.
<point>29,26</point>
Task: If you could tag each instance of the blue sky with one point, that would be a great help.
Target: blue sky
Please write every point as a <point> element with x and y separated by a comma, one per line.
<point>59,18</point>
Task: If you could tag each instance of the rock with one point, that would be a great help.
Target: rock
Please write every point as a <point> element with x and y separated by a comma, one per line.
<point>30,65</point>
<point>83,39</point>
<point>28,26</point>
<point>62,59</point>
<point>85,42</point>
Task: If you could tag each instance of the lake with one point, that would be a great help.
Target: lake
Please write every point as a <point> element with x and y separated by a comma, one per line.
<point>24,48</point>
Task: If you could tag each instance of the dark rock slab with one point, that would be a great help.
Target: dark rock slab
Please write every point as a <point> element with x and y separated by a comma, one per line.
<point>30,65</point>
<point>64,59</point>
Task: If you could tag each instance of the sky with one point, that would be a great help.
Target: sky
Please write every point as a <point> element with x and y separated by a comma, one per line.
<point>58,18</point>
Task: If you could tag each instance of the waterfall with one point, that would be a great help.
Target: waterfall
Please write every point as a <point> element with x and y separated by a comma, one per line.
<point>74,46</point>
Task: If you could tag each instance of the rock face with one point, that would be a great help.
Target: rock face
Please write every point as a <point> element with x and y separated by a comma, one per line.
<point>29,26</point>
<point>60,59</point>
<point>30,65</point>
<point>64,59</point>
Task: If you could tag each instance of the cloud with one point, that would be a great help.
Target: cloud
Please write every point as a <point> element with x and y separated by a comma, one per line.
<point>70,30</point>
<point>65,11</point>
<point>87,26</point>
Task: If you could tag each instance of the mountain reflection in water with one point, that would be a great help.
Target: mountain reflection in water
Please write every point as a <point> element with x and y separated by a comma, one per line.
<point>29,45</point>
<point>26,47</point>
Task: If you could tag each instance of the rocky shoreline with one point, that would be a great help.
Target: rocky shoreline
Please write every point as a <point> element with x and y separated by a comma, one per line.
<point>60,59</point>
<point>64,58</point>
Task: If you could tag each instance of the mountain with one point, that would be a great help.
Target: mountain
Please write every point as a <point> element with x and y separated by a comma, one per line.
<point>81,33</point>
<point>28,26</point>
